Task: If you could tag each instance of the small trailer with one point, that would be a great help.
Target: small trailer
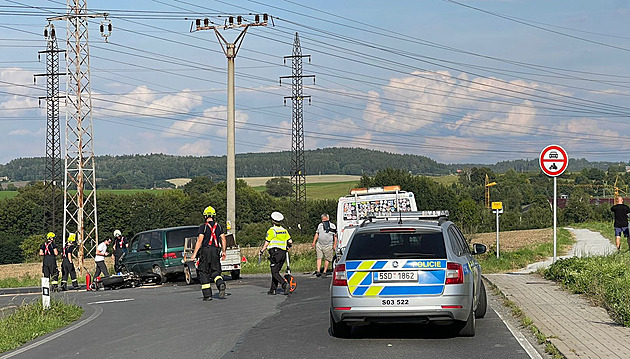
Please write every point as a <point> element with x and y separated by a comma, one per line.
<point>232,262</point>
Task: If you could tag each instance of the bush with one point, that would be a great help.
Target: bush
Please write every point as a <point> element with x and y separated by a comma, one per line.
<point>30,247</point>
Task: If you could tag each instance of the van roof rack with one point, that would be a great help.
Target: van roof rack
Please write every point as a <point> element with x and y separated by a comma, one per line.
<point>440,216</point>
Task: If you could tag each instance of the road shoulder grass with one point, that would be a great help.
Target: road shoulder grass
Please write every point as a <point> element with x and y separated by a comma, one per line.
<point>30,321</point>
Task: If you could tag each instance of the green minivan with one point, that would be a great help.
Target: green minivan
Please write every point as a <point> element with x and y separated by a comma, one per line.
<point>158,251</point>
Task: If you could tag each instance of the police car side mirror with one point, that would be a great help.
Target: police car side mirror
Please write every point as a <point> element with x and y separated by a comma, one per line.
<point>479,248</point>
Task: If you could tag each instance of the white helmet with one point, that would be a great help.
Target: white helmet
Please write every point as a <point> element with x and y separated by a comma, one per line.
<point>277,216</point>
<point>117,233</point>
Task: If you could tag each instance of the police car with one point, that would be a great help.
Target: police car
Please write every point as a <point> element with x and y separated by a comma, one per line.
<point>413,267</point>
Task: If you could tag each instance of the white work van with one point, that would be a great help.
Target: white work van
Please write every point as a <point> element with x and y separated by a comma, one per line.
<point>354,208</point>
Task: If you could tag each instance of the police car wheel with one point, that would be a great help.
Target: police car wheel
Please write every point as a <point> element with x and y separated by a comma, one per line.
<point>339,329</point>
<point>468,327</point>
<point>482,305</point>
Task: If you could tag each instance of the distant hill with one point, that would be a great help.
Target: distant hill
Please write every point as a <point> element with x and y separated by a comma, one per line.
<point>146,171</point>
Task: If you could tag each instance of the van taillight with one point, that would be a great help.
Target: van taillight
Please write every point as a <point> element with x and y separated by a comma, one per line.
<point>454,273</point>
<point>339,276</point>
<point>169,255</point>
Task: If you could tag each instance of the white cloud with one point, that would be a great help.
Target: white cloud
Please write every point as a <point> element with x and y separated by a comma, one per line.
<point>197,148</point>
<point>26,132</point>
<point>143,101</point>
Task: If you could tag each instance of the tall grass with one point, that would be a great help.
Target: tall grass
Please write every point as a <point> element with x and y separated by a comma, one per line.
<point>509,261</point>
<point>30,321</point>
<point>302,259</point>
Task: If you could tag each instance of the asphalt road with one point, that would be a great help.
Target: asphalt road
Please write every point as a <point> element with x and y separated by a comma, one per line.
<point>172,321</point>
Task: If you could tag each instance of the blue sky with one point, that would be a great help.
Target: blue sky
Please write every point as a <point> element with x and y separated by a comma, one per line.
<point>457,81</point>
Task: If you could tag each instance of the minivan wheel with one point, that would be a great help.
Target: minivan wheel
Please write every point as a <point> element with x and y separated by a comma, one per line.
<point>339,329</point>
<point>236,274</point>
<point>187,275</point>
<point>157,270</point>
<point>482,305</point>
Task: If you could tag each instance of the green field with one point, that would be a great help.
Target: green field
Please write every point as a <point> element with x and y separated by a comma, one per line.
<point>324,190</point>
<point>446,180</point>
<point>8,194</point>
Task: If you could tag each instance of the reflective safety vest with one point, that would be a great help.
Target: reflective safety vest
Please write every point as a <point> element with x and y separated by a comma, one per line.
<point>213,237</point>
<point>277,237</point>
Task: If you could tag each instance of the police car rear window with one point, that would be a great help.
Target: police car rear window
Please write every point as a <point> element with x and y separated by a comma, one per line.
<point>381,245</point>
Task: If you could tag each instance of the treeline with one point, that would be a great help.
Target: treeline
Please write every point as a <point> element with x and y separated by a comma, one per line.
<point>525,198</point>
<point>149,171</point>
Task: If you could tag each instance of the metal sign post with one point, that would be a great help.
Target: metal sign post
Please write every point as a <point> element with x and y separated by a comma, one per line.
<point>45,293</point>
<point>497,207</point>
<point>553,162</point>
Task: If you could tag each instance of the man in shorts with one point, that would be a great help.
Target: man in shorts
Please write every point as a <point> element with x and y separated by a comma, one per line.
<point>325,243</point>
<point>621,212</point>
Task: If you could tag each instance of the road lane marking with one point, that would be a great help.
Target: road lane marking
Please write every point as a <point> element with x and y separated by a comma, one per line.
<point>97,311</point>
<point>520,338</point>
<point>112,301</point>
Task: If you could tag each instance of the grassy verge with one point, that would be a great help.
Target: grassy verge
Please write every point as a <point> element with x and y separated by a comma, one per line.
<point>527,323</point>
<point>520,258</point>
<point>24,281</point>
<point>604,280</point>
<point>301,256</point>
<point>30,321</point>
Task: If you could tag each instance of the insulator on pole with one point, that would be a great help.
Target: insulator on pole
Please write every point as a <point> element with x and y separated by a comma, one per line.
<point>46,32</point>
<point>231,20</point>
<point>239,19</point>
<point>198,23</point>
<point>109,27</point>
<point>102,28</point>
<point>257,18</point>
<point>52,32</point>
<point>206,22</point>
<point>265,17</point>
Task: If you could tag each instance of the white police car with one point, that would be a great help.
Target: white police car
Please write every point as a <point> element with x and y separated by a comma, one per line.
<point>413,267</point>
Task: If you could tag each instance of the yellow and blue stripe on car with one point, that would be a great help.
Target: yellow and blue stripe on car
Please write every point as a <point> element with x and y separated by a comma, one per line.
<point>362,277</point>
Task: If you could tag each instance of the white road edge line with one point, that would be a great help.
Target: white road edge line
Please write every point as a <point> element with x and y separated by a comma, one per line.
<point>97,311</point>
<point>520,338</point>
<point>112,301</point>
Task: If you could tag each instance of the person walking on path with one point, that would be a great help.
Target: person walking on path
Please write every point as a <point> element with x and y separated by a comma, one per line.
<point>277,241</point>
<point>49,251</point>
<point>325,243</point>
<point>67,266</point>
<point>621,212</point>
<point>120,248</point>
<point>101,253</point>
<point>210,259</point>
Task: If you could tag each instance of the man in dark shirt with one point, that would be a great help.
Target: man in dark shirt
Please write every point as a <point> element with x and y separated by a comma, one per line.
<point>621,212</point>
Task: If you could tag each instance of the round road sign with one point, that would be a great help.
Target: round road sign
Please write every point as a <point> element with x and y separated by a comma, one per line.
<point>553,160</point>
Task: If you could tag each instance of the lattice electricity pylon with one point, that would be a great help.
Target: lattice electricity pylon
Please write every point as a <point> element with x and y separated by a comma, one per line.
<point>80,212</point>
<point>52,176</point>
<point>298,164</point>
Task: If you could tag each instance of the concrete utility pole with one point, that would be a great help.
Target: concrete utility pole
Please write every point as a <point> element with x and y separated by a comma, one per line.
<point>52,177</point>
<point>80,214</point>
<point>230,49</point>
<point>298,169</point>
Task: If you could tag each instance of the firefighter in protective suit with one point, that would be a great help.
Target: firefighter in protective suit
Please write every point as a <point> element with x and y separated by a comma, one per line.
<point>211,246</point>
<point>49,251</point>
<point>277,240</point>
<point>67,265</point>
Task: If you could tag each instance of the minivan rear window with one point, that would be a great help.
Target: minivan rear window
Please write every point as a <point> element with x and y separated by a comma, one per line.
<point>176,238</point>
<point>379,245</point>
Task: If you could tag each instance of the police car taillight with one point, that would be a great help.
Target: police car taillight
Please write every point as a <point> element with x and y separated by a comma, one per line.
<point>339,276</point>
<point>454,273</point>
